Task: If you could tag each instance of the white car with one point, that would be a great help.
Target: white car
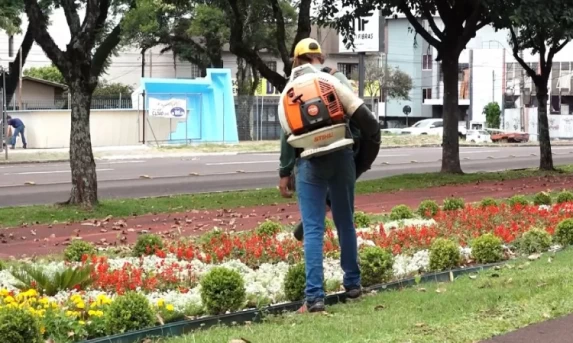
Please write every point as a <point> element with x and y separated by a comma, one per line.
<point>478,136</point>
<point>430,127</point>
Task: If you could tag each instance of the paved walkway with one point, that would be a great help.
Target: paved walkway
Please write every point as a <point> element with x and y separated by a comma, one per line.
<point>558,330</point>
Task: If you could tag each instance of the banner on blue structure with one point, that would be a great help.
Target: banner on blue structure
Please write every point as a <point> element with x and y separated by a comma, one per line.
<point>167,108</point>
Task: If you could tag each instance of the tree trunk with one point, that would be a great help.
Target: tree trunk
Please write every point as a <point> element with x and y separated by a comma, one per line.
<point>84,178</point>
<point>245,100</point>
<point>451,143</point>
<point>545,154</point>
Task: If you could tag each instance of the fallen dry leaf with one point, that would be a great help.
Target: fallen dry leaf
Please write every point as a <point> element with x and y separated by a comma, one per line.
<point>534,257</point>
<point>420,325</point>
<point>379,307</point>
<point>473,276</point>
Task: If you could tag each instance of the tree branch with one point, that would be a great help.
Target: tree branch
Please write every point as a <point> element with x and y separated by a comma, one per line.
<point>14,66</point>
<point>104,50</point>
<point>280,31</point>
<point>428,15</point>
<point>444,10</point>
<point>42,37</point>
<point>94,22</point>
<point>239,49</point>
<point>515,50</point>
<point>552,52</point>
<point>470,28</point>
<point>72,17</point>
<point>303,29</point>
<point>403,7</point>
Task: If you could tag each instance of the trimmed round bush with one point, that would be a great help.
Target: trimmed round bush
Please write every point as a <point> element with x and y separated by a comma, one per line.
<point>487,202</point>
<point>533,241</point>
<point>269,228</point>
<point>375,265</point>
<point>401,212</point>
<point>444,254</point>
<point>453,203</point>
<point>19,325</point>
<point>146,244</point>
<point>542,198</point>
<point>223,290</point>
<point>77,249</point>
<point>518,200</point>
<point>428,209</point>
<point>564,232</point>
<point>487,248</point>
<point>361,219</point>
<point>129,312</point>
<point>564,196</point>
<point>295,282</point>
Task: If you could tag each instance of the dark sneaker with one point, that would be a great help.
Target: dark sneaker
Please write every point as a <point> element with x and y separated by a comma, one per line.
<point>317,306</point>
<point>299,232</point>
<point>354,293</point>
<point>25,146</point>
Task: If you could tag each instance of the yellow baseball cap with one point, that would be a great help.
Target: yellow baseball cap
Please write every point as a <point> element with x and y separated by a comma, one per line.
<point>307,46</point>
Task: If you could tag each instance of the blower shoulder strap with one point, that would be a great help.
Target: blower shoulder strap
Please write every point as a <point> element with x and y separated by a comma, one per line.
<point>329,70</point>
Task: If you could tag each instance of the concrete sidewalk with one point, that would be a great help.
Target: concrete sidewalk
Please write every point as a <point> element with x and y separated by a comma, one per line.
<point>558,330</point>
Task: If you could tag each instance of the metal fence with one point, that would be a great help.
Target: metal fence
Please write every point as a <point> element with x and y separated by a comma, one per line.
<point>63,103</point>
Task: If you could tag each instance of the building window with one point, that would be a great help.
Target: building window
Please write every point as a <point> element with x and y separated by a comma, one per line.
<point>272,65</point>
<point>350,70</point>
<point>427,62</point>
<point>427,93</point>
<point>195,71</point>
<point>463,68</point>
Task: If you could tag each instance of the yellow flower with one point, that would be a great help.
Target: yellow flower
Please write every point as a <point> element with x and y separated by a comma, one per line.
<point>160,303</point>
<point>80,305</point>
<point>4,292</point>
<point>81,322</point>
<point>43,330</point>
<point>169,307</point>
<point>9,299</point>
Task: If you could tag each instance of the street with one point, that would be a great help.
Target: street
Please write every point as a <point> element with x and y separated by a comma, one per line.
<point>169,175</point>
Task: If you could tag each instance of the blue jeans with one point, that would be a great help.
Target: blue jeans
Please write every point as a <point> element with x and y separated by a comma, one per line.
<point>18,131</point>
<point>334,173</point>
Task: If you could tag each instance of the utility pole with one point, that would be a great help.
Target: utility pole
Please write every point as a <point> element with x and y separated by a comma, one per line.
<point>493,86</point>
<point>361,73</point>
<point>471,86</point>
<point>522,96</point>
<point>20,82</point>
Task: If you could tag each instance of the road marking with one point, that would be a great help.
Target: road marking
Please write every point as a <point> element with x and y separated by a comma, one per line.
<point>477,151</point>
<point>120,162</point>
<point>49,172</point>
<point>381,155</point>
<point>239,162</point>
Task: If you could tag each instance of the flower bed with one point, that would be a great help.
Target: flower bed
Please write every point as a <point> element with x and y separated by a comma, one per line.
<point>168,281</point>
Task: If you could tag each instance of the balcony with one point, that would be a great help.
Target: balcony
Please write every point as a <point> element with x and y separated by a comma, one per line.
<point>438,99</point>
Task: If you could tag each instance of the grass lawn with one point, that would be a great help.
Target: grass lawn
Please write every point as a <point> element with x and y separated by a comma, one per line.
<point>468,310</point>
<point>41,214</point>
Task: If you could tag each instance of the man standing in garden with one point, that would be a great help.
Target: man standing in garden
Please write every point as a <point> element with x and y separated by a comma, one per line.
<point>19,127</point>
<point>328,178</point>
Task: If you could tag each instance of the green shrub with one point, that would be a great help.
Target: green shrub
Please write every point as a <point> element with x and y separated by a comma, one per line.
<point>222,290</point>
<point>564,196</point>
<point>30,276</point>
<point>375,265</point>
<point>19,325</point>
<point>452,204</point>
<point>487,202</point>
<point>129,312</point>
<point>444,254</point>
<point>428,209</point>
<point>2,265</point>
<point>401,212</point>
<point>147,244</point>
<point>329,224</point>
<point>295,282</point>
<point>564,232</point>
<point>542,198</point>
<point>533,241</point>
<point>77,249</point>
<point>518,200</point>
<point>269,228</point>
<point>361,219</point>
<point>487,248</point>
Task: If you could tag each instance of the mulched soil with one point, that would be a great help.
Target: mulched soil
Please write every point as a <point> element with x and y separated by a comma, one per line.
<point>30,240</point>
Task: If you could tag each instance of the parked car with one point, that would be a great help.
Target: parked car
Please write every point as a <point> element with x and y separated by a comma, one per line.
<point>478,136</point>
<point>430,127</point>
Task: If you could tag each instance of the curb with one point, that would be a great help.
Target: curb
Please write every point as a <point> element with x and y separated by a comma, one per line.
<point>256,315</point>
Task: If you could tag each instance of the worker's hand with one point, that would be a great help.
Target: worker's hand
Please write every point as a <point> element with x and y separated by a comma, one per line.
<point>285,187</point>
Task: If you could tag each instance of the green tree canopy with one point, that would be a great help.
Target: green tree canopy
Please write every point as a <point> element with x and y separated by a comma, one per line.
<point>48,73</point>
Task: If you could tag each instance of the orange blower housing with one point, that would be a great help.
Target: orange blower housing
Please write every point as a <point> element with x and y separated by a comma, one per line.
<point>312,105</point>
